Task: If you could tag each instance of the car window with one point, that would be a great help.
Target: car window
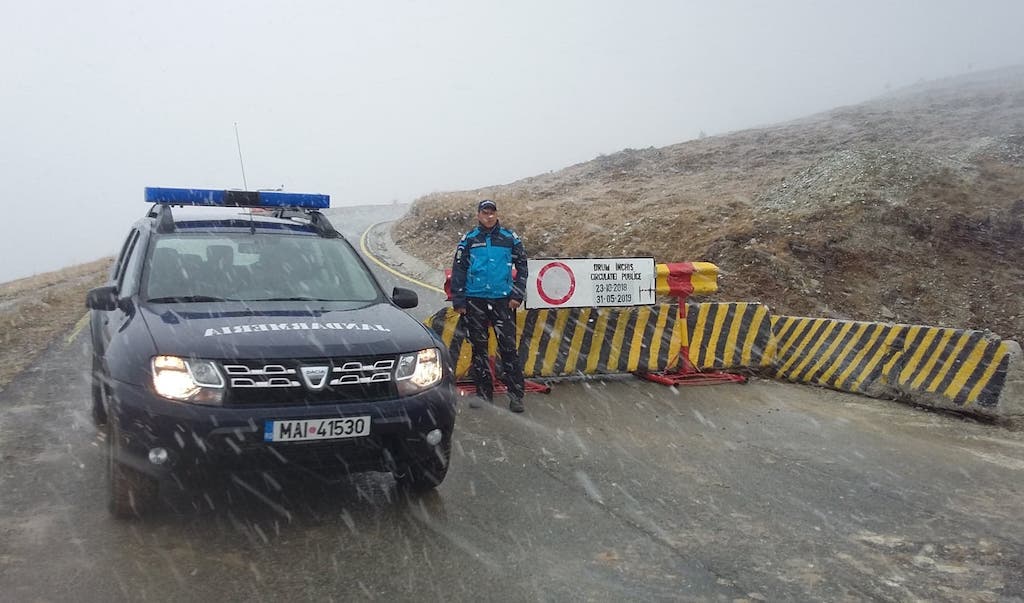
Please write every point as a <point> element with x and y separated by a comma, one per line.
<point>129,279</point>
<point>115,269</point>
<point>256,267</point>
<point>125,260</point>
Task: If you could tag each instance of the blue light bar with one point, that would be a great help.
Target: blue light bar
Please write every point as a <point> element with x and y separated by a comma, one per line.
<point>233,198</point>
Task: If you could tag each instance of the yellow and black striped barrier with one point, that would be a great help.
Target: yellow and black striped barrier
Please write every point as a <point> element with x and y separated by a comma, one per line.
<point>965,367</point>
<point>683,279</point>
<point>729,335</point>
<point>563,342</point>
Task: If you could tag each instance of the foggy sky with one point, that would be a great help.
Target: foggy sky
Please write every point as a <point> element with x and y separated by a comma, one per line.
<point>380,102</point>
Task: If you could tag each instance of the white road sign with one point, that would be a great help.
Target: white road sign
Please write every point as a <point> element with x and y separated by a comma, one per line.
<point>590,282</point>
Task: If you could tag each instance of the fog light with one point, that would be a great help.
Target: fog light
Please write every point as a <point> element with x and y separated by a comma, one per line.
<point>158,456</point>
<point>434,437</point>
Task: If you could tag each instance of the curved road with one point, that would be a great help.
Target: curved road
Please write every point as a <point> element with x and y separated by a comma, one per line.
<point>603,490</point>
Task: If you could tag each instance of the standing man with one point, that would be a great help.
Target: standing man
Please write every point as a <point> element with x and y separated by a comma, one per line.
<point>484,293</point>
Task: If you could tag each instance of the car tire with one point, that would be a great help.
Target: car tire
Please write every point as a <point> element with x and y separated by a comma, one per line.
<point>423,474</point>
<point>99,411</point>
<point>132,492</point>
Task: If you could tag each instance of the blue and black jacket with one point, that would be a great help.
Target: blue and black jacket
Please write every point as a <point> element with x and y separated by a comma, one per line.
<point>483,266</point>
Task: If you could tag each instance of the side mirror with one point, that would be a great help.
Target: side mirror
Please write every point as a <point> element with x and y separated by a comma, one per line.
<point>405,298</point>
<point>102,298</point>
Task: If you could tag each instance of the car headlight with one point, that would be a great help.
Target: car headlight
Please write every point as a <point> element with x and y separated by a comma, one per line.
<point>418,371</point>
<point>188,380</point>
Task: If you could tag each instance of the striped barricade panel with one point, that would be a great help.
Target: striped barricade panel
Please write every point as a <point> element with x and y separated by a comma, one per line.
<point>729,335</point>
<point>563,342</point>
<point>965,367</point>
<point>845,355</point>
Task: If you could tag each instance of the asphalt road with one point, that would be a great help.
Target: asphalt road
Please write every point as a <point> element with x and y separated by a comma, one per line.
<point>614,490</point>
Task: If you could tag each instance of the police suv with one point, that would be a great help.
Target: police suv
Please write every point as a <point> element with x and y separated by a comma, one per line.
<point>249,333</point>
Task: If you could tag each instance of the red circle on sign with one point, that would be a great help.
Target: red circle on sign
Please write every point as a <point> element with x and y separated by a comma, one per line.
<point>572,284</point>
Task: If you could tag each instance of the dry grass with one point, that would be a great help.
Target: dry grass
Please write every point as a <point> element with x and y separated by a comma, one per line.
<point>35,283</point>
<point>35,311</point>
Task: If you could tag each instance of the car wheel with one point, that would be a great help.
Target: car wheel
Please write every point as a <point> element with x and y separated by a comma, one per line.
<point>99,411</point>
<point>132,492</point>
<point>426,473</point>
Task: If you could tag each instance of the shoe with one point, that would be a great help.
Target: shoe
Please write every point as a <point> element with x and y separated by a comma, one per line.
<point>515,404</point>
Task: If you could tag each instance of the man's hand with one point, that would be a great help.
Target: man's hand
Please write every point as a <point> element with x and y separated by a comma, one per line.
<point>461,311</point>
<point>514,303</point>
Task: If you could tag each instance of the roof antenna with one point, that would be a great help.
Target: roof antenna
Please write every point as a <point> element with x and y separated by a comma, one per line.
<point>245,185</point>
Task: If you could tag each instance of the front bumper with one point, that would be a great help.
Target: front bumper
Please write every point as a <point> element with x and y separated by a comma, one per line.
<point>199,439</point>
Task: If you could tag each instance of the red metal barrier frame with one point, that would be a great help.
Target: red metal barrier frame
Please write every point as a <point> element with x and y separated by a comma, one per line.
<point>468,388</point>
<point>690,375</point>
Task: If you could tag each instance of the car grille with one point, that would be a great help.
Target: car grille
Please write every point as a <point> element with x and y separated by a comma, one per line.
<point>297,382</point>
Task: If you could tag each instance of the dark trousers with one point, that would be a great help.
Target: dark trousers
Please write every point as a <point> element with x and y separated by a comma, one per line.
<point>480,315</point>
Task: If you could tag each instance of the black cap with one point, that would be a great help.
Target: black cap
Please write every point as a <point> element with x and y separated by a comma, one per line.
<point>486,204</point>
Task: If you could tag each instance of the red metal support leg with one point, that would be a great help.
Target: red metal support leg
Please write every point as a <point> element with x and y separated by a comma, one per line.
<point>690,375</point>
<point>468,388</point>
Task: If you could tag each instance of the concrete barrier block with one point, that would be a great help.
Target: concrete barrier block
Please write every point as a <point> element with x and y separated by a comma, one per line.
<point>1011,399</point>
<point>997,392</point>
<point>957,369</point>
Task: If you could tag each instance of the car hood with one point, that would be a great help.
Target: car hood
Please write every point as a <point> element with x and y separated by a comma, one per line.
<point>283,330</point>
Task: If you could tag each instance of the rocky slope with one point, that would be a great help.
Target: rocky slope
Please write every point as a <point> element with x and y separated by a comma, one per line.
<point>907,208</point>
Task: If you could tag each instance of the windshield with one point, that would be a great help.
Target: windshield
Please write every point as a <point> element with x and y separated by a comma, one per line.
<point>254,267</point>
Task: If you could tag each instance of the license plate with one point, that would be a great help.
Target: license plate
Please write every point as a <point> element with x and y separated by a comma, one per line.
<point>316,429</point>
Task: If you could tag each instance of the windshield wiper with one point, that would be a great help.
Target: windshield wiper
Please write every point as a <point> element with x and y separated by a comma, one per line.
<point>186,299</point>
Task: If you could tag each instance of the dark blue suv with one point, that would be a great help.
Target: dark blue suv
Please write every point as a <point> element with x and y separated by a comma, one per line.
<point>250,333</point>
